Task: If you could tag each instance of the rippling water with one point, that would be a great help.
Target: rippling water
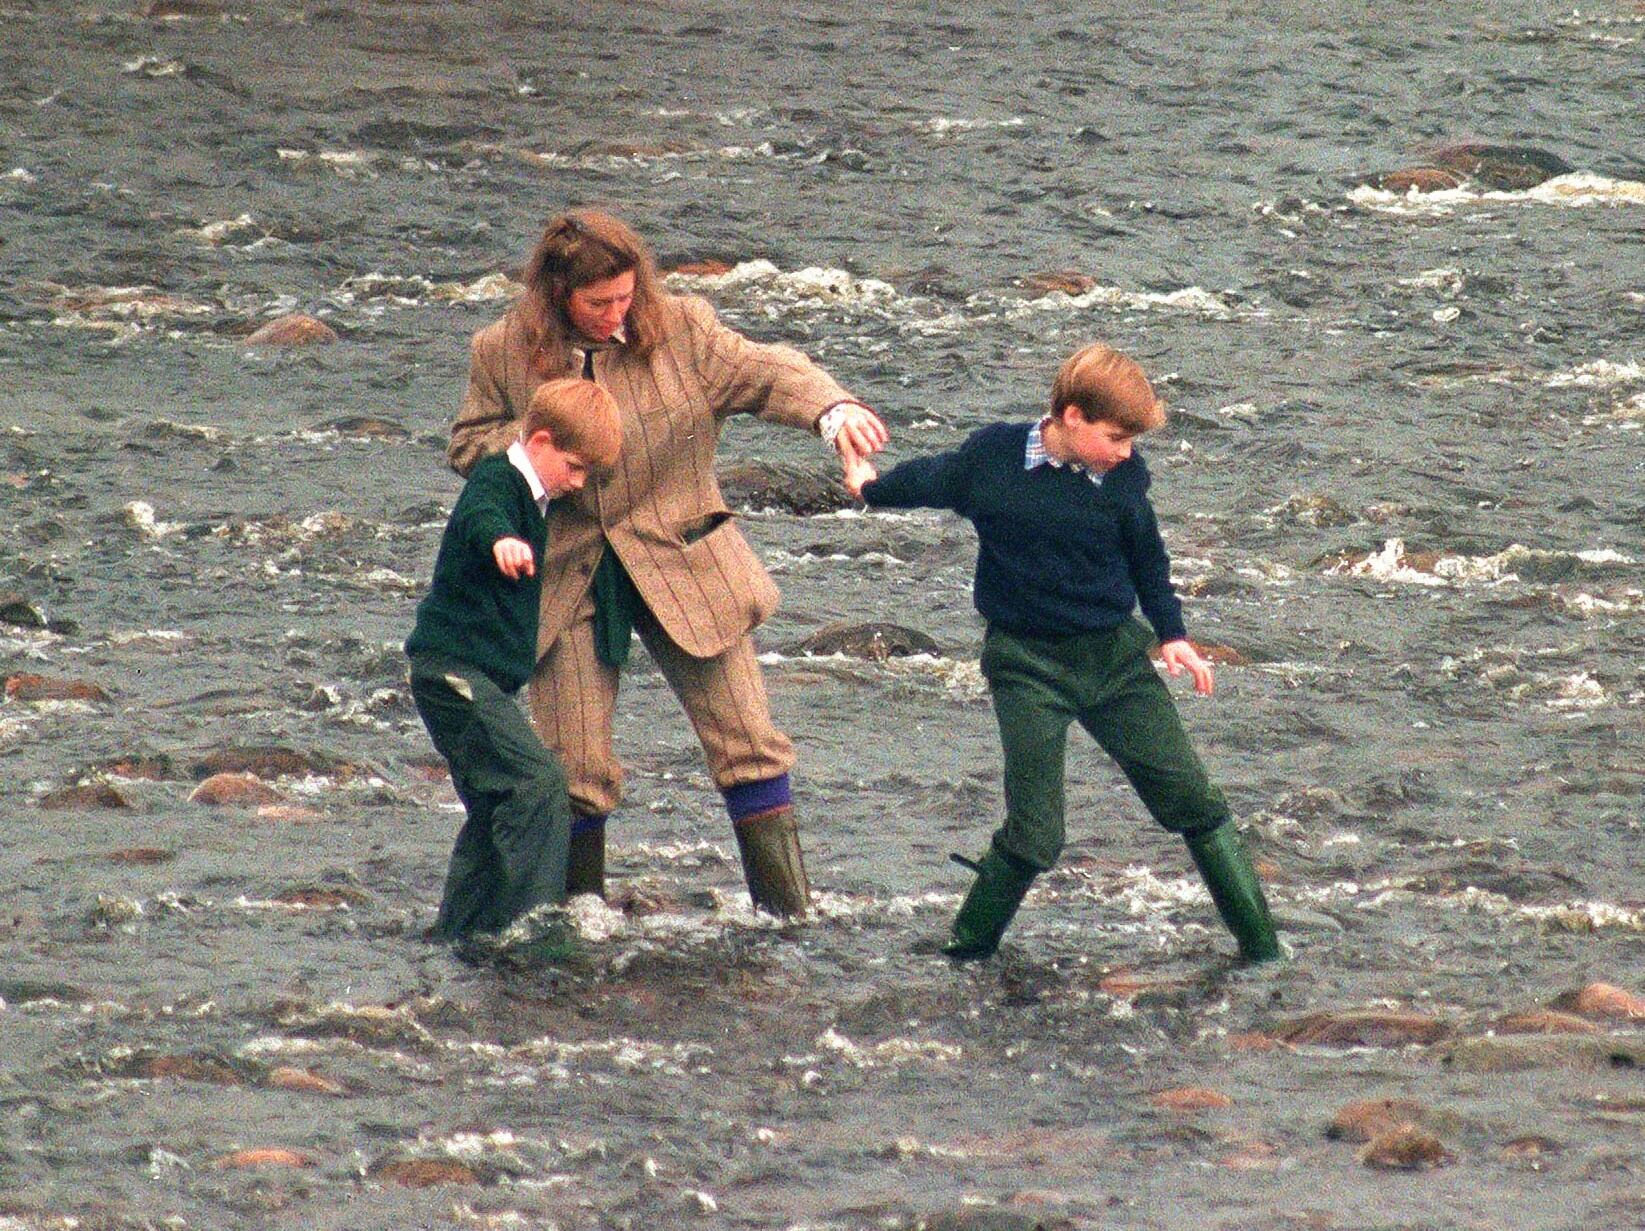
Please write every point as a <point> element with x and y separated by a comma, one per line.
<point>1401,486</point>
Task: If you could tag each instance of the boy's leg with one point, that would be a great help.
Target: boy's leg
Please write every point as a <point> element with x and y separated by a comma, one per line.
<point>518,794</point>
<point>1129,712</point>
<point>749,758</point>
<point>1033,719</point>
<point>573,696</point>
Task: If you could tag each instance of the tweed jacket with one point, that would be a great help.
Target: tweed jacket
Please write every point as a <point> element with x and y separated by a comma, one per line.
<point>660,508</point>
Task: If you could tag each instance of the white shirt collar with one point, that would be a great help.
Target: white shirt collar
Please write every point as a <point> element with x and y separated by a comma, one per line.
<point>518,459</point>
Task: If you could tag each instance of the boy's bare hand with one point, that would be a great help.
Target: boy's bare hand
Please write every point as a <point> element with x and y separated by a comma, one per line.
<point>513,558</point>
<point>1179,656</point>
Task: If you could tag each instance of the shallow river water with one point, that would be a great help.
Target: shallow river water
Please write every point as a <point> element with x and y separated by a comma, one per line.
<point>1401,485</point>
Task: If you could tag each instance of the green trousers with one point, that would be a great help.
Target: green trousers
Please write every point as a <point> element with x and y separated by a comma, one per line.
<point>1105,682</point>
<point>511,852</point>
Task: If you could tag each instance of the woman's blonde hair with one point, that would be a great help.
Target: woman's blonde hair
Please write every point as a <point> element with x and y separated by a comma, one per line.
<point>582,418</point>
<point>1107,387</point>
<point>578,248</point>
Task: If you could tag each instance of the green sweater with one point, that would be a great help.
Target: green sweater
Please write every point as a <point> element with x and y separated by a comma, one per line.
<point>472,612</point>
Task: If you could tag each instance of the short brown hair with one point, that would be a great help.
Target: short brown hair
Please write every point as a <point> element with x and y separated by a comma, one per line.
<point>1107,387</point>
<point>578,248</point>
<point>582,418</point>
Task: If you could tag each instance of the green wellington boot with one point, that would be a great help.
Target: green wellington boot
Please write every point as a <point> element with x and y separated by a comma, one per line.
<point>1226,869</point>
<point>1002,883</point>
<point>769,843</point>
<point>585,864</point>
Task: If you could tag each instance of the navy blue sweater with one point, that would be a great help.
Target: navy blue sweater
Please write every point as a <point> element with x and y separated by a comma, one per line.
<point>472,612</point>
<point>1057,554</point>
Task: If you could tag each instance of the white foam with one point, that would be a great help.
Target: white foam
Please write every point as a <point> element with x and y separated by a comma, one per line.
<point>1600,374</point>
<point>140,516</point>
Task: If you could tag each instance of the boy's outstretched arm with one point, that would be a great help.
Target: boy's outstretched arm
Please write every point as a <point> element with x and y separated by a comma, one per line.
<point>1180,655</point>
<point>513,556</point>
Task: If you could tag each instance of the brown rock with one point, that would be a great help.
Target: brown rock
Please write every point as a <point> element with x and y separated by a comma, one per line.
<point>141,855</point>
<point>368,427</point>
<point>701,269</point>
<point>1530,1148</point>
<point>1129,984</point>
<point>1543,1021</point>
<point>1368,1119</point>
<point>207,1068</point>
<point>1068,281</point>
<point>267,761</point>
<point>18,610</point>
<point>263,1156</point>
<point>422,1172</point>
<point>1423,179</point>
<point>26,687</point>
<point>1361,1029</point>
<point>295,814</point>
<point>1252,1040</point>
<point>1603,1000</point>
<point>305,1081</point>
<point>235,790</point>
<point>1405,1148</point>
<point>430,769</point>
<point>150,768</point>
<point>84,795</point>
<point>1543,1051</point>
<point>1250,1154</point>
<point>323,897</point>
<point>296,329</point>
<point>1190,1098</point>
<point>875,641</point>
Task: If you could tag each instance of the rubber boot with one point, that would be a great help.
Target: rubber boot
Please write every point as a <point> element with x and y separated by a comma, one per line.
<point>1002,883</point>
<point>1223,863</point>
<point>585,866</point>
<point>769,843</point>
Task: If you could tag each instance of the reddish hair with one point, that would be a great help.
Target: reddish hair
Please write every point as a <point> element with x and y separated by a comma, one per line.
<point>1105,386</point>
<point>579,248</point>
<point>581,417</point>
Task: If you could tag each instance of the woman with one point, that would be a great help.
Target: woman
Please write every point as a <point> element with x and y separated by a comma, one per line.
<point>652,547</point>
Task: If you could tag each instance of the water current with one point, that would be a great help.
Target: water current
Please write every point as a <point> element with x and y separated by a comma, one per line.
<point>1401,485</point>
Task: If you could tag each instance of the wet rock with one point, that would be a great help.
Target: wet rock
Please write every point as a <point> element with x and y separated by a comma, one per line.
<point>368,1024</point>
<point>262,1156</point>
<point>788,489</point>
<point>1316,510</point>
<point>1361,1029</point>
<point>1190,1098</point>
<point>1543,1021</point>
<point>701,269</point>
<point>140,856</point>
<point>1531,1149</point>
<point>323,897</point>
<point>295,814</point>
<point>20,611</point>
<point>1065,281</point>
<point>295,329</point>
<point>202,1067</point>
<point>234,790</point>
<point>1553,1051</point>
<point>266,761</point>
<point>111,911</point>
<point>986,1218</point>
<point>1129,984</point>
<point>423,1172</point>
<point>1367,1119</point>
<point>1501,168</point>
<point>368,427</point>
<point>24,991</point>
<point>1603,1000</point>
<point>28,687</point>
<point>873,641</point>
<point>1406,1148</point>
<point>430,769</point>
<point>83,795</point>
<point>304,1081</point>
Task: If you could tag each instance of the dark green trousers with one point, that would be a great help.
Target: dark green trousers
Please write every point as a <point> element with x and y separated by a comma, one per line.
<point>511,852</point>
<point>1105,682</point>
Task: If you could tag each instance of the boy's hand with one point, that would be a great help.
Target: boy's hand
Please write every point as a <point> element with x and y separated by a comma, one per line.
<point>513,558</point>
<point>858,470</point>
<point>1179,656</point>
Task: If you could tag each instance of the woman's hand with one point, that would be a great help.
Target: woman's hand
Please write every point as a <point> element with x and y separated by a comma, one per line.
<point>1179,656</point>
<point>860,430</point>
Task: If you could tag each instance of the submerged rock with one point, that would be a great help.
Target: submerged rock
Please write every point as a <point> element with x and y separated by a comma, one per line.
<point>1543,1021</point>
<point>295,329</point>
<point>1367,1119</point>
<point>264,760</point>
<point>986,1218</point>
<point>1050,282</point>
<point>874,641</point>
<point>1190,1098</point>
<point>423,1172</point>
<point>368,427</point>
<point>1550,1051</point>
<point>262,1156</point>
<point>1361,1029</point>
<point>1406,1148</point>
<point>305,1081</point>
<point>84,795</point>
<point>141,855</point>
